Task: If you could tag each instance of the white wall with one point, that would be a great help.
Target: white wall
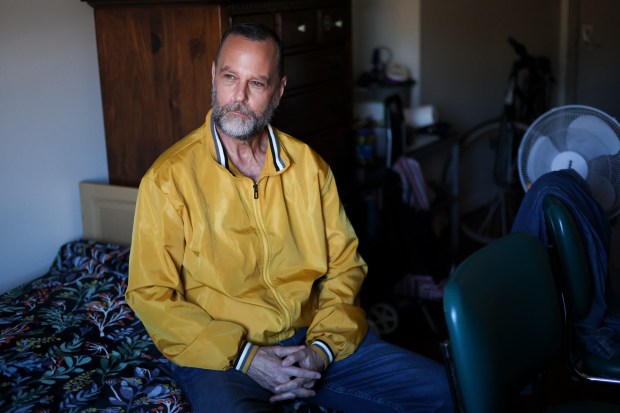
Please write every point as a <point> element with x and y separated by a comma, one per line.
<point>391,23</point>
<point>51,130</point>
<point>457,51</point>
<point>466,58</point>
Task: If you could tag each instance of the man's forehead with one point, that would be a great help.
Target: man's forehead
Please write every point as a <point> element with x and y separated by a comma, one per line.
<point>239,52</point>
<point>237,42</point>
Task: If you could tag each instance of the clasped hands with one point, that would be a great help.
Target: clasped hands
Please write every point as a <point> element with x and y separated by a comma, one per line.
<point>287,371</point>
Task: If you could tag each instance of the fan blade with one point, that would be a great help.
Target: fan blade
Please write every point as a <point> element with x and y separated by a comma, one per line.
<point>590,137</point>
<point>602,190</point>
<point>542,154</point>
<point>602,166</point>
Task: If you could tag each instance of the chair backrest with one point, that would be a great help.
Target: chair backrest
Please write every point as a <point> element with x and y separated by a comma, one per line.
<point>569,249</point>
<point>504,321</point>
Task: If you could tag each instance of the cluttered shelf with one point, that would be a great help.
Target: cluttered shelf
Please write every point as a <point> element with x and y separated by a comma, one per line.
<point>408,230</point>
<point>413,155</point>
<point>406,173</point>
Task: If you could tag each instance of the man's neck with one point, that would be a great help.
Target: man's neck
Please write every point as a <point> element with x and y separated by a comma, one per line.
<point>247,155</point>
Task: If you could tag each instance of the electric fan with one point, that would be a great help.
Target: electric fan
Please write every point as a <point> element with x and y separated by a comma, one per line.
<point>577,137</point>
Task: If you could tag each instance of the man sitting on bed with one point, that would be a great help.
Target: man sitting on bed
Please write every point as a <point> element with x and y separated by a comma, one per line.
<point>244,267</point>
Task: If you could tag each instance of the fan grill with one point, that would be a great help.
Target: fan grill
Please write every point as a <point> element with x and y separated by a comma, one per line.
<point>579,137</point>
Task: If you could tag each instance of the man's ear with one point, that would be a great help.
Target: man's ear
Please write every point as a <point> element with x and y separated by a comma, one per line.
<point>280,91</point>
<point>213,73</point>
<point>282,85</point>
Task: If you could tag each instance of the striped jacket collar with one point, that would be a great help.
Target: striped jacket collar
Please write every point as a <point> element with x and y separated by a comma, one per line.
<point>274,148</point>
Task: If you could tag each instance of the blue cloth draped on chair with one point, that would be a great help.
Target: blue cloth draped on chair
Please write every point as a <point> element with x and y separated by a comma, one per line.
<point>599,330</point>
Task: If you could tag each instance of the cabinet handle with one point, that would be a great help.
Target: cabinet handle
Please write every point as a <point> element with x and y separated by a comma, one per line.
<point>301,28</point>
<point>339,24</point>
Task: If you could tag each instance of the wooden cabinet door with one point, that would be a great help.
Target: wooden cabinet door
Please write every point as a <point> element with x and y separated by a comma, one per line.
<point>155,69</point>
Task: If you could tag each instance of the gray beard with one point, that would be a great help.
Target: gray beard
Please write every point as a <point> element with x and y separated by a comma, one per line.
<point>237,127</point>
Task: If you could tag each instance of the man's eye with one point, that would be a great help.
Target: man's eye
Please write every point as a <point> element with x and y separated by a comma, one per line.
<point>229,77</point>
<point>259,85</point>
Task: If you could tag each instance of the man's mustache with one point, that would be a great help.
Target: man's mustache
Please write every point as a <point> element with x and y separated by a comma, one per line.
<point>238,107</point>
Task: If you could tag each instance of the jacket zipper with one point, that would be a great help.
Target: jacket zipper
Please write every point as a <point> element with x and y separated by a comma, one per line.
<point>266,270</point>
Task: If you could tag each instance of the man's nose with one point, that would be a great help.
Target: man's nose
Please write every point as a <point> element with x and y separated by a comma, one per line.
<point>241,93</point>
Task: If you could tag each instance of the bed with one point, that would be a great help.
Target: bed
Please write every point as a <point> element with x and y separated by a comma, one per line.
<point>68,340</point>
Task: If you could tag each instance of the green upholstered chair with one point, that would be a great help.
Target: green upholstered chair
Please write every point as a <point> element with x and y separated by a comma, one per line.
<point>575,279</point>
<point>504,325</point>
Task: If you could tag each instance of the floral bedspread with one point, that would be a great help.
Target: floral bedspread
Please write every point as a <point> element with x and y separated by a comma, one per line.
<point>70,343</point>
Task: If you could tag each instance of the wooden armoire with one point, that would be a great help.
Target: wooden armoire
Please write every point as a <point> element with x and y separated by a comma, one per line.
<point>155,61</point>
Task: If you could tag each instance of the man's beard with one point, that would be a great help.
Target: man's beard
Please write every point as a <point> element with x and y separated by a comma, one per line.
<point>238,127</point>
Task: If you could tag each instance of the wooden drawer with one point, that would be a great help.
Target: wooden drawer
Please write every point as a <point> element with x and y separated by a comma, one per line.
<point>299,28</point>
<point>335,25</point>
<point>316,66</point>
<point>303,114</point>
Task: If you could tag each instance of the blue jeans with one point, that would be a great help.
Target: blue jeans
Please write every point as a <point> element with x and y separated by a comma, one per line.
<point>378,377</point>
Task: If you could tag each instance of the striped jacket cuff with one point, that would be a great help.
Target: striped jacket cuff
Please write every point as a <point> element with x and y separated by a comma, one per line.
<point>246,355</point>
<point>324,351</point>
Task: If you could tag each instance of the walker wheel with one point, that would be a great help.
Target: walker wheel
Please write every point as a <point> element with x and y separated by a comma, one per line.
<point>384,317</point>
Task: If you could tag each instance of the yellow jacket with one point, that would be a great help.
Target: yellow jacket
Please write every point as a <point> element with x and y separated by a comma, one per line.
<point>220,265</point>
